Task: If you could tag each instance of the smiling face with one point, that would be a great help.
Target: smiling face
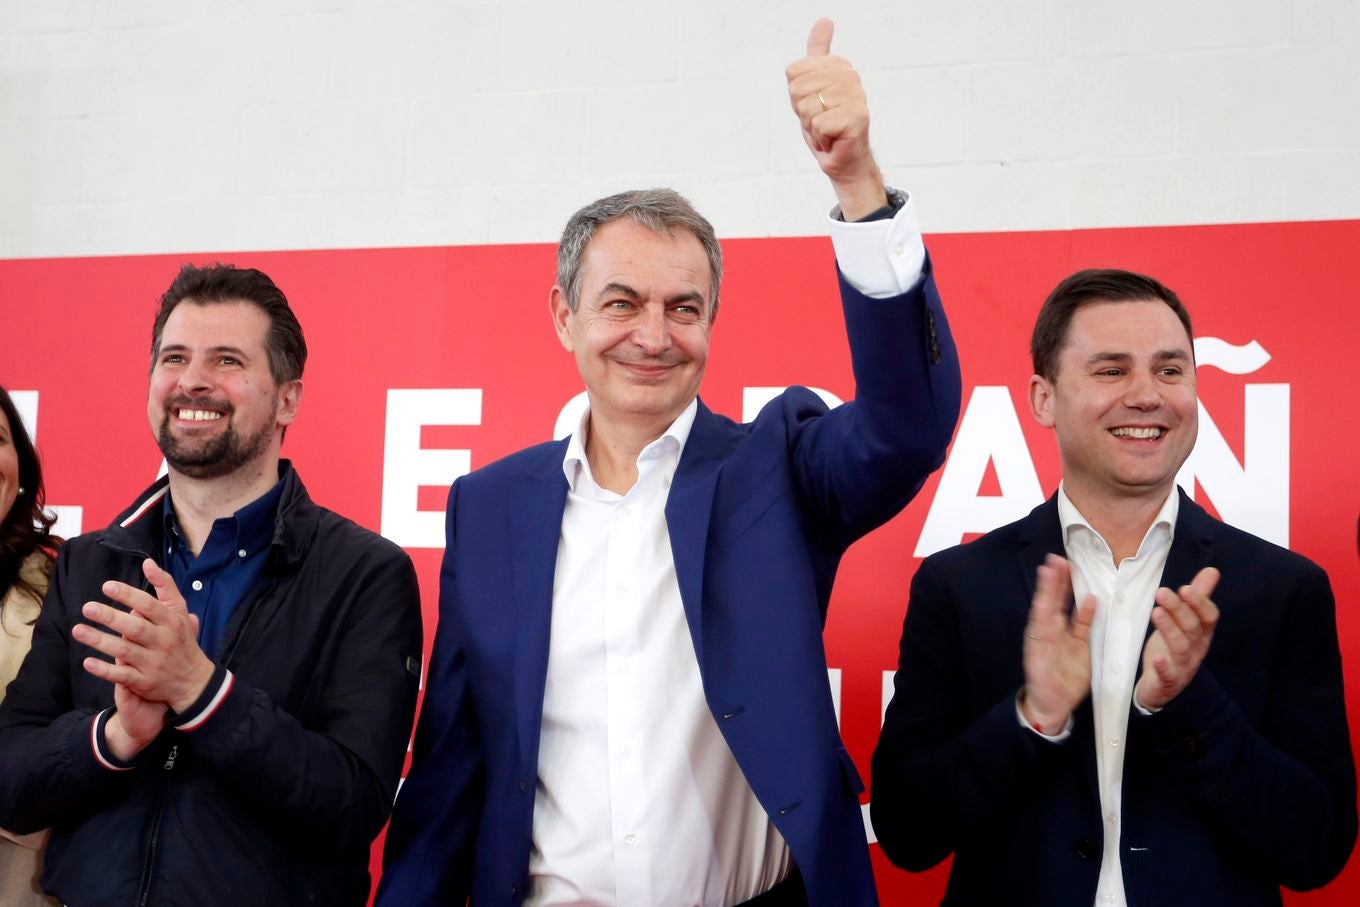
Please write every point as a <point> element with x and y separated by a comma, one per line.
<point>1123,402</point>
<point>212,402</point>
<point>640,331</point>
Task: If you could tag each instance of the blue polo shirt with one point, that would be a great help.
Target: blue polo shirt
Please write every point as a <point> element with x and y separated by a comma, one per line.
<point>228,568</point>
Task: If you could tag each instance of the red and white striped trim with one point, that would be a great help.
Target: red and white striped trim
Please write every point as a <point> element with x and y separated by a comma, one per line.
<point>145,506</point>
<point>196,722</point>
<point>94,744</point>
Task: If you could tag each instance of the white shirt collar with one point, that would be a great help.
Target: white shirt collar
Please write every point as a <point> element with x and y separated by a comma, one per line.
<point>1071,519</point>
<point>575,462</point>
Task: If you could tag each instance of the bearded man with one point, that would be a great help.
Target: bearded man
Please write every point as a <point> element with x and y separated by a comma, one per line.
<point>216,706</point>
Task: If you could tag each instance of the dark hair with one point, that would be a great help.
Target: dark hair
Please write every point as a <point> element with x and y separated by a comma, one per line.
<point>1089,287</point>
<point>219,283</point>
<point>661,210</point>
<point>28,526</point>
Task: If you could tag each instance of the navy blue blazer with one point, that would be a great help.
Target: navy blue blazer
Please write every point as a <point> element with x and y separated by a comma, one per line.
<point>759,516</point>
<point>1243,783</point>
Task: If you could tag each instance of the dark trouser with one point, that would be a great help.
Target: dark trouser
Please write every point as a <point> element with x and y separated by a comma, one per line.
<point>788,893</point>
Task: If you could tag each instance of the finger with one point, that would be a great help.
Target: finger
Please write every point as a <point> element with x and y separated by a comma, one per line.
<point>113,673</point>
<point>1206,581</point>
<point>1196,595</point>
<point>130,626</point>
<point>819,39</point>
<point>1180,611</point>
<point>167,592</point>
<point>108,643</point>
<point>1165,670</point>
<point>1082,618</point>
<point>1173,637</point>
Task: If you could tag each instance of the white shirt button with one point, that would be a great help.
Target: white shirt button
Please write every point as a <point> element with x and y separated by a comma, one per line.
<point>630,840</point>
<point>623,668</point>
<point>1112,741</point>
<point>1119,598</point>
<point>1116,668</point>
<point>899,248</point>
<point>198,585</point>
<point>620,589</point>
<point>625,510</point>
<point>241,553</point>
<point>625,751</point>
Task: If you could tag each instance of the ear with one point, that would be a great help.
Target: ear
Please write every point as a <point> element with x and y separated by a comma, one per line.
<point>1041,400</point>
<point>561,316</point>
<point>290,395</point>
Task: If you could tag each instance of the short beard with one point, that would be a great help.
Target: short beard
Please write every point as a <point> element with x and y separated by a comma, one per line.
<point>215,458</point>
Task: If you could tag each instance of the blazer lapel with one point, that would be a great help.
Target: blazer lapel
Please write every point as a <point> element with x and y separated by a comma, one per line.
<point>1190,548</point>
<point>537,501</point>
<point>688,509</point>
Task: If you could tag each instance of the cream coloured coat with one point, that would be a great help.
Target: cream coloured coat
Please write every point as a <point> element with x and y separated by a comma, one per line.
<point>20,855</point>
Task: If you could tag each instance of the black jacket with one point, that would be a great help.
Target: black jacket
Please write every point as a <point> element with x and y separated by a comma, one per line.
<point>277,796</point>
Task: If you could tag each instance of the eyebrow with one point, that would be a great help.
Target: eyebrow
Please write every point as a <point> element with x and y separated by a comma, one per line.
<point>615,288</point>
<point>182,348</point>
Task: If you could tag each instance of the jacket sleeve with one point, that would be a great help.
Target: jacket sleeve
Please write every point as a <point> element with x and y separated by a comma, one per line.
<point>334,779</point>
<point>862,462</point>
<point>428,854</point>
<point>49,773</point>
<point>1283,786</point>
<point>940,774</point>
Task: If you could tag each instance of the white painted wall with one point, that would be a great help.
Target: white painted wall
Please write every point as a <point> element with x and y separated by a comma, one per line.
<point>131,126</point>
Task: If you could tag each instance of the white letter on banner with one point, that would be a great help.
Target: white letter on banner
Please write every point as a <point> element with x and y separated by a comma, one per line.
<point>406,467</point>
<point>753,399</point>
<point>1252,495</point>
<point>69,516</point>
<point>991,431</point>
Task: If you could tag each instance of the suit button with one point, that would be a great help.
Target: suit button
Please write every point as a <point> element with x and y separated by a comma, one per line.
<point>1194,748</point>
<point>1086,849</point>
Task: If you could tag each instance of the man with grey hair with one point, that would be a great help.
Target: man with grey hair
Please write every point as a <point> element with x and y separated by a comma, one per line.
<point>627,701</point>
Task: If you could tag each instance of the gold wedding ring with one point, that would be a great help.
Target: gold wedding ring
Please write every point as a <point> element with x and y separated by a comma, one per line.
<point>823,101</point>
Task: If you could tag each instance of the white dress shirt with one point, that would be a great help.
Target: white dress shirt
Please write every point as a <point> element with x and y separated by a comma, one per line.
<point>639,800</point>
<point>1124,599</point>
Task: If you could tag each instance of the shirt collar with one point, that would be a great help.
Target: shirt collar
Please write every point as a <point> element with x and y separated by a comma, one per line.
<point>253,524</point>
<point>575,463</point>
<point>1165,521</point>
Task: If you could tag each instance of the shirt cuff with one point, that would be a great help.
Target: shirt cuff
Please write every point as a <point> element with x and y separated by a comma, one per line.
<point>1051,738</point>
<point>208,702</point>
<point>102,754</point>
<point>1142,709</point>
<point>880,258</point>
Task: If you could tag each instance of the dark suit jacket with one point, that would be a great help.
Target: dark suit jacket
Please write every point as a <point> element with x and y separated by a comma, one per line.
<point>758,515</point>
<point>1243,783</point>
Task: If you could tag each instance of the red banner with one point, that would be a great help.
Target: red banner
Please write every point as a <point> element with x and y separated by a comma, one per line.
<point>427,362</point>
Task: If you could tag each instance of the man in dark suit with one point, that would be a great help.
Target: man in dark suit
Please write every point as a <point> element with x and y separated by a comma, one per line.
<point>1179,737</point>
<point>627,702</point>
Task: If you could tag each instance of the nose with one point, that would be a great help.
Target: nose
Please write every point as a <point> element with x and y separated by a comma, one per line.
<point>652,333</point>
<point>194,378</point>
<point>1143,392</point>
